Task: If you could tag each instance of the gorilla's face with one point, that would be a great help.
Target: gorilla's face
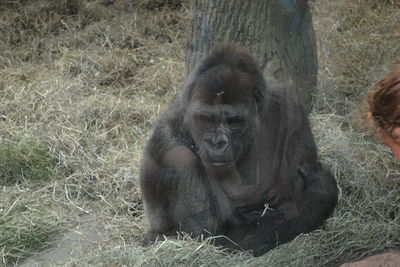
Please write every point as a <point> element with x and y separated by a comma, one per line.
<point>220,123</point>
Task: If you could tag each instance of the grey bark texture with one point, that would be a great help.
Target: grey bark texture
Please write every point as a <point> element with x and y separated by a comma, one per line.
<point>278,33</point>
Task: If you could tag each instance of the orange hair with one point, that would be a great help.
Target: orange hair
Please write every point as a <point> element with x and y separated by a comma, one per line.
<point>384,101</point>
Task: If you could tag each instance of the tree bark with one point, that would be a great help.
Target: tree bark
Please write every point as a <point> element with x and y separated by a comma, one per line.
<point>278,33</point>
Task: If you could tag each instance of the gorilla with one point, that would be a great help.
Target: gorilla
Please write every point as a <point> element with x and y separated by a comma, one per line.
<point>234,158</point>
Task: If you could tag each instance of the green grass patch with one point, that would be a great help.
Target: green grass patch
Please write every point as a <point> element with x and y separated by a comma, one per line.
<point>25,227</point>
<point>25,159</point>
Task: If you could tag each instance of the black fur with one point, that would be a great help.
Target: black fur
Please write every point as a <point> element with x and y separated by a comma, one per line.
<point>234,156</point>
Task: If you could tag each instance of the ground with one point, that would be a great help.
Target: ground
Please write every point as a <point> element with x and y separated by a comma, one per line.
<point>81,83</point>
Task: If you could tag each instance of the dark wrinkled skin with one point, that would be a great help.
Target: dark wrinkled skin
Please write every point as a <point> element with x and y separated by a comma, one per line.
<point>234,157</point>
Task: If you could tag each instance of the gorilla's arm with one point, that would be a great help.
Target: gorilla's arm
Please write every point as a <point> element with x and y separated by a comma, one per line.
<point>172,183</point>
<point>306,212</point>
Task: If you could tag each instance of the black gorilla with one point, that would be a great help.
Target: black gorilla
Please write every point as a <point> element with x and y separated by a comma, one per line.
<point>234,157</point>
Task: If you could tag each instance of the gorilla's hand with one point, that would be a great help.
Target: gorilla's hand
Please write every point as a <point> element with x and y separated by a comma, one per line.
<point>260,215</point>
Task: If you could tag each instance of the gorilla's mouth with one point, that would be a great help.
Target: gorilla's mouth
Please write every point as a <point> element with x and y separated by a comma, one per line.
<point>219,164</point>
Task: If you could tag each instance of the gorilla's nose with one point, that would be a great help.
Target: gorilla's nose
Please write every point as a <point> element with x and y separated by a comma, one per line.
<point>216,144</point>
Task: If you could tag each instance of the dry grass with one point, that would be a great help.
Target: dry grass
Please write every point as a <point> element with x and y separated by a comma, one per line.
<point>358,43</point>
<point>81,83</point>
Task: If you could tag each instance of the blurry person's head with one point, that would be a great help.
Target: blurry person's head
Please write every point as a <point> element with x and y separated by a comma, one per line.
<point>384,105</point>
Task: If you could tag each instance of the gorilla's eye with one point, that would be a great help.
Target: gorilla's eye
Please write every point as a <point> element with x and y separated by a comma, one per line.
<point>203,118</point>
<point>235,120</point>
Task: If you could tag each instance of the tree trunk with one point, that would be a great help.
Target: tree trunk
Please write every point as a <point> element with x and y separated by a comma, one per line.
<point>278,33</point>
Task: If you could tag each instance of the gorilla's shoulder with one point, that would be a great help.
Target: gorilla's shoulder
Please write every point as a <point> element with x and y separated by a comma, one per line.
<point>284,94</point>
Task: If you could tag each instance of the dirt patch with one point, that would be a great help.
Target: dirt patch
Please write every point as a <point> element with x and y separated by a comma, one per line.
<point>72,243</point>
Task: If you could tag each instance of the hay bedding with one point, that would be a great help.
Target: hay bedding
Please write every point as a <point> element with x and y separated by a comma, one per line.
<point>86,79</point>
